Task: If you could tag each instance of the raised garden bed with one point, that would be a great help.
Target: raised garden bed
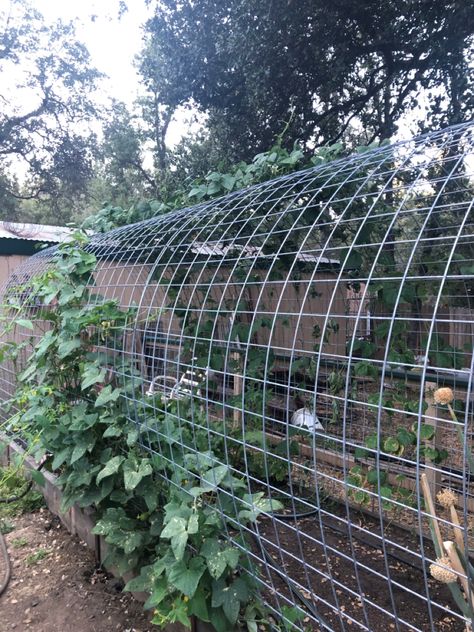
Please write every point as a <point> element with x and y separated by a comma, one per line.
<point>80,521</point>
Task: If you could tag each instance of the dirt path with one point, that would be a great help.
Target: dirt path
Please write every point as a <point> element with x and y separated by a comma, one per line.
<point>55,586</point>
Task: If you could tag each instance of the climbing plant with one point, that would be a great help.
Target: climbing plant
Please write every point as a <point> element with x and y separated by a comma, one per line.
<point>161,514</point>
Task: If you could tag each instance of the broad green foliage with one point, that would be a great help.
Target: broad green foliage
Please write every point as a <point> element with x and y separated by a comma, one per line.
<point>371,478</point>
<point>270,164</point>
<point>162,513</point>
<point>249,63</point>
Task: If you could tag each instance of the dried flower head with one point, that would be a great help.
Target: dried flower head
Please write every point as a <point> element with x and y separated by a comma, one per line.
<point>442,571</point>
<point>444,395</point>
<point>447,498</point>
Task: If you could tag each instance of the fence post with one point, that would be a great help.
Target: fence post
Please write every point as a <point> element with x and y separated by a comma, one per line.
<point>237,389</point>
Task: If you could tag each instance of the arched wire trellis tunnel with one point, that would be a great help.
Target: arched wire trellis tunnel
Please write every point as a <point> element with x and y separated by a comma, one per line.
<point>310,319</point>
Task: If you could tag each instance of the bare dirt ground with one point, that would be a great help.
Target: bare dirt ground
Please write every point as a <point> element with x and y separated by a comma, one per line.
<point>56,587</point>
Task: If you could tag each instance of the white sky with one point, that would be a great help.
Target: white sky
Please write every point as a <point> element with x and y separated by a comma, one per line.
<point>112,43</point>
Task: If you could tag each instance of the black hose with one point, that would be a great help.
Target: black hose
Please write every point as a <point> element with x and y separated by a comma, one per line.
<point>6,557</point>
<point>13,499</point>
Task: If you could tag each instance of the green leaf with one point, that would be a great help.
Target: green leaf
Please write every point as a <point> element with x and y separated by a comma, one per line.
<point>45,343</point>
<point>112,431</point>
<point>386,492</point>
<point>186,578</point>
<point>232,557</point>
<point>405,437</point>
<point>391,445</point>
<point>430,453</point>
<point>259,505</point>
<point>178,544</point>
<point>132,476</point>
<point>112,467</point>
<point>160,591</point>
<point>374,476</point>
<point>228,181</point>
<point>215,559</point>
<point>106,395</point>
<point>230,597</point>
<point>92,376</point>
<point>353,261</point>
<point>177,524</point>
<point>427,432</point>
<point>193,524</point>
<point>365,369</point>
<point>176,531</point>
<point>38,477</point>
<point>219,620</point>
<point>361,453</point>
<point>131,541</point>
<point>372,441</point>
<point>80,449</point>
<point>213,477</point>
<point>23,322</point>
<point>361,497</point>
<point>61,457</point>
<point>67,347</point>
<point>251,626</point>
<point>198,606</point>
<point>142,583</point>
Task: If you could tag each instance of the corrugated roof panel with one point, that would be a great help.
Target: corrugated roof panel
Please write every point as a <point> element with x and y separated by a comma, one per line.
<point>34,232</point>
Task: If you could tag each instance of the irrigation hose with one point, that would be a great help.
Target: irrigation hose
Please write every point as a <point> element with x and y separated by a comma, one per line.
<point>3,543</point>
<point>8,564</point>
<point>13,499</point>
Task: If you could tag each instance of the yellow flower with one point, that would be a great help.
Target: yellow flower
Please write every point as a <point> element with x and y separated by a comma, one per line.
<point>444,396</point>
<point>447,498</point>
<point>442,571</point>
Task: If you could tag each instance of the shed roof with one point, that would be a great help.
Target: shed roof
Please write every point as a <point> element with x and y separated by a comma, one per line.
<point>34,232</point>
<point>24,239</point>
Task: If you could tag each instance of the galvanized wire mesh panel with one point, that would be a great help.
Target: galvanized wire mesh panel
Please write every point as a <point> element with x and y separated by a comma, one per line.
<point>305,324</point>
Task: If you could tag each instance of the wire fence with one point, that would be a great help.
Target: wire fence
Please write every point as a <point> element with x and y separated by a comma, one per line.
<point>308,322</point>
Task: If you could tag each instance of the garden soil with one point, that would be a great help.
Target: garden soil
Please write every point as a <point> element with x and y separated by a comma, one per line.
<point>56,587</point>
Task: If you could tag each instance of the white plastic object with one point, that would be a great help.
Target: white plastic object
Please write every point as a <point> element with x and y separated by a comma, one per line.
<point>305,418</point>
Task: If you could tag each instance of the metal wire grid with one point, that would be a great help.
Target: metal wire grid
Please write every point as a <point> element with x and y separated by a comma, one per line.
<point>343,293</point>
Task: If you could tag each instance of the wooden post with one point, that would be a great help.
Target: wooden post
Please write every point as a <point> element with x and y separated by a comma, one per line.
<point>237,389</point>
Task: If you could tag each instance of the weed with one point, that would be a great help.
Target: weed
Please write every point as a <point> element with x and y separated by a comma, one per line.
<point>13,483</point>
<point>36,557</point>
<point>6,526</point>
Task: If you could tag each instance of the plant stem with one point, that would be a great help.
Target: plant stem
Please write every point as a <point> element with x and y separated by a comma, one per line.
<point>458,567</point>
<point>462,438</point>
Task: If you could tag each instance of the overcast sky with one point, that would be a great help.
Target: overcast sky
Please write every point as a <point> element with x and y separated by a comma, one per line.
<point>112,43</point>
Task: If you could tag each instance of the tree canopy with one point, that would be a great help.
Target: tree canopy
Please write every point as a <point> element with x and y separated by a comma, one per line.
<point>348,72</point>
<point>46,144</point>
<point>252,65</point>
